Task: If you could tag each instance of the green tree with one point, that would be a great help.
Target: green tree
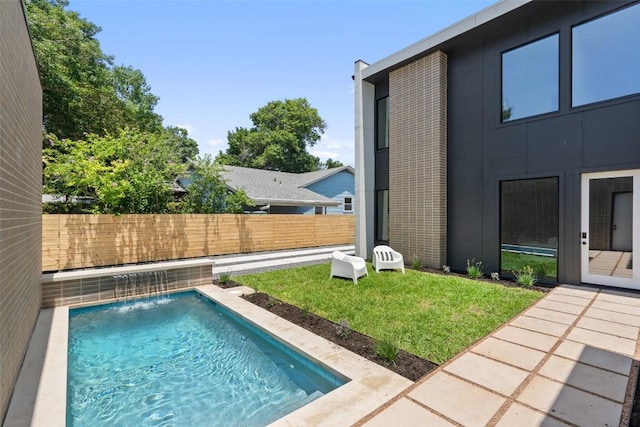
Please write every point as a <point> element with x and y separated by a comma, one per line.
<point>330,164</point>
<point>177,139</point>
<point>132,89</point>
<point>82,92</point>
<point>129,172</point>
<point>207,192</point>
<point>281,134</point>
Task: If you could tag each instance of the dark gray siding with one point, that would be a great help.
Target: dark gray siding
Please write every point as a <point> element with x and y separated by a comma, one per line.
<point>482,150</point>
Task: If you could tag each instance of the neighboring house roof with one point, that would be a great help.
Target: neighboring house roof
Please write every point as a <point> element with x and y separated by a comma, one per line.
<point>280,188</point>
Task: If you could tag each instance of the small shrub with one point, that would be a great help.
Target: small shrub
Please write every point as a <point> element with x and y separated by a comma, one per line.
<point>416,263</point>
<point>495,275</point>
<point>224,278</point>
<point>387,349</point>
<point>306,310</point>
<point>526,276</point>
<point>474,269</point>
<point>272,302</point>
<point>343,329</point>
<point>446,269</point>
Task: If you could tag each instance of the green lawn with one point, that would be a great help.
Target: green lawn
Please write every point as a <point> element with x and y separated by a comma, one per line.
<point>433,316</point>
<point>543,266</point>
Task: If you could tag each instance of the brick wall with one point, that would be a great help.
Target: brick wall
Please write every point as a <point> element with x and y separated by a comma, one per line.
<point>418,160</point>
<point>20,194</point>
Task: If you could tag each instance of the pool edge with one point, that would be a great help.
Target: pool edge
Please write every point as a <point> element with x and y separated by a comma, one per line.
<point>39,398</point>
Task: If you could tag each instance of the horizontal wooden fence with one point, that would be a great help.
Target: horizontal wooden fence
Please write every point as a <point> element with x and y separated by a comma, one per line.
<point>80,241</point>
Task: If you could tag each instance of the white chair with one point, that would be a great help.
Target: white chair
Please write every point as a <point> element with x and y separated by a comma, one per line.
<point>385,258</point>
<point>348,266</point>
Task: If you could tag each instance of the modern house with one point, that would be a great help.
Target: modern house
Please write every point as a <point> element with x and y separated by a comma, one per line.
<point>512,138</point>
<point>327,191</point>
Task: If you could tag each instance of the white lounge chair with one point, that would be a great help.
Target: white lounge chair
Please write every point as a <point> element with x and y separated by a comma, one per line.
<point>348,266</point>
<point>385,258</point>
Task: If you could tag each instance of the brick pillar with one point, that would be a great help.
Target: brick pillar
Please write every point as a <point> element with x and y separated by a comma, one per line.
<point>418,160</point>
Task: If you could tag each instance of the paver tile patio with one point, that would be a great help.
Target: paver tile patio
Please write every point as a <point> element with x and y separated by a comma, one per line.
<point>458,400</point>
<point>407,413</point>
<point>568,299</point>
<point>513,354</point>
<point>488,373</point>
<point>560,306</point>
<point>522,416</point>
<point>570,404</point>
<point>551,315</point>
<point>620,297</point>
<point>577,291</point>
<point>612,316</point>
<point>598,381</point>
<point>540,325</point>
<point>527,338</point>
<point>611,328</point>
<point>595,356</point>
<point>615,307</point>
<point>602,340</point>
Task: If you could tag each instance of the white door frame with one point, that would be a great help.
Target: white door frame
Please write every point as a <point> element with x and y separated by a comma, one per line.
<point>586,277</point>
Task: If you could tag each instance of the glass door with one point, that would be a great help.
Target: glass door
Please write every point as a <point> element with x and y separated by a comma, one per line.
<point>610,234</point>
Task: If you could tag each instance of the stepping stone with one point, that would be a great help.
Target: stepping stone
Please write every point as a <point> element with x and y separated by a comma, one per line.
<point>458,400</point>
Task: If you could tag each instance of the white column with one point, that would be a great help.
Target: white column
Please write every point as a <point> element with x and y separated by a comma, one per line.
<point>365,161</point>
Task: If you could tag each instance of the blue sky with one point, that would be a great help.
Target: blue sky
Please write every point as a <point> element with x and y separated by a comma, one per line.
<point>213,63</point>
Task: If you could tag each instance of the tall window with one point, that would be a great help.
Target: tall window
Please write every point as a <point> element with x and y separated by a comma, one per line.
<point>529,218</point>
<point>348,204</point>
<point>382,215</point>
<point>530,79</point>
<point>606,57</point>
<point>382,132</point>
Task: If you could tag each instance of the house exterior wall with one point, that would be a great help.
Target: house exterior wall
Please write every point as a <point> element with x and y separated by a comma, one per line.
<point>20,194</point>
<point>482,151</point>
<point>336,187</point>
<point>418,159</point>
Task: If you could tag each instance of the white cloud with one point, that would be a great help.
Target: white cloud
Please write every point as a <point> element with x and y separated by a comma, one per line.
<point>190,129</point>
<point>334,148</point>
<point>212,146</point>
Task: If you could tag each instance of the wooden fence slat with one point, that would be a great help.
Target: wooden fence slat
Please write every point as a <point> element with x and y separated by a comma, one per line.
<point>80,241</point>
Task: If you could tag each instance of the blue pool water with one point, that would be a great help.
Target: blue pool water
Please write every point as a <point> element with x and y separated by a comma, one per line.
<point>182,361</point>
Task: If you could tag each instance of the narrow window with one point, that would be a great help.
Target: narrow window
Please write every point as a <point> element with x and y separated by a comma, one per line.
<point>348,204</point>
<point>529,227</point>
<point>606,58</point>
<point>382,215</point>
<point>382,133</point>
<point>530,79</point>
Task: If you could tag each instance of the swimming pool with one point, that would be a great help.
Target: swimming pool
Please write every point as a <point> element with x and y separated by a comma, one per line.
<point>182,360</point>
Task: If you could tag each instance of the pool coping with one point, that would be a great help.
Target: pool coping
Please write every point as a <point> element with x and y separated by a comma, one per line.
<point>39,398</point>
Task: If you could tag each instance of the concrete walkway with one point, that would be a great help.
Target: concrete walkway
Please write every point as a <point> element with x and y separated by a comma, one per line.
<point>567,360</point>
<point>264,261</point>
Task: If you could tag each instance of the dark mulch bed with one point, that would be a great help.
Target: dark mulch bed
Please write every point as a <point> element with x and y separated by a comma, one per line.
<point>406,364</point>
<point>542,287</point>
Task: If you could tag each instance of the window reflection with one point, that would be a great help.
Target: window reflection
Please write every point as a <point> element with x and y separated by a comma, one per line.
<point>382,215</point>
<point>530,79</point>
<point>529,227</point>
<point>606,57</point>
<point>383,123</point>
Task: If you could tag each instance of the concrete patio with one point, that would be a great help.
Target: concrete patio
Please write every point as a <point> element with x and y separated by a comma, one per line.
<point>568,360</point>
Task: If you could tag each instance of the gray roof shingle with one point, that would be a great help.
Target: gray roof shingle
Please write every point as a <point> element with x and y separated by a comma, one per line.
<point>279,188</point>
